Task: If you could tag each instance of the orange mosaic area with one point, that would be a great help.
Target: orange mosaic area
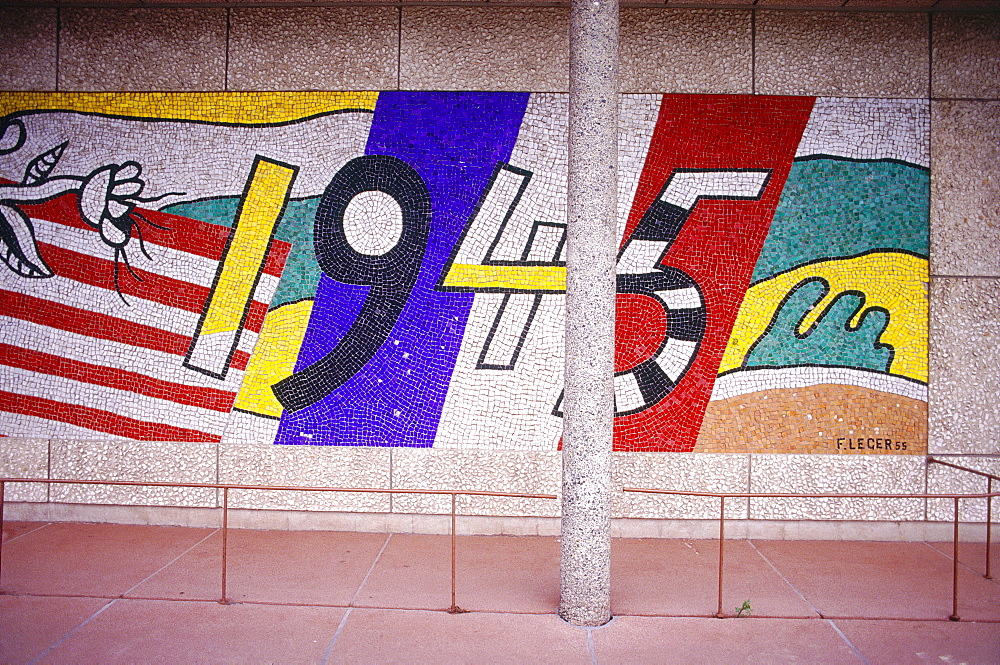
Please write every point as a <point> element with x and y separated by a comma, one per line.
<point>823,419</point>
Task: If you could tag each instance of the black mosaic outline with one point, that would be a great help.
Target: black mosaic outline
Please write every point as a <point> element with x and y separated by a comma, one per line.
<point>390,276</point>
<point>496,239</point>
<point>521,339</point>
<point>222,262</point>
<point>849,257</point>
<point>654,384</point>
<point>661,213</point>
<point>117,116</point>
<point>879,344</point>
<point>256,414</point>
<point>858,160</point>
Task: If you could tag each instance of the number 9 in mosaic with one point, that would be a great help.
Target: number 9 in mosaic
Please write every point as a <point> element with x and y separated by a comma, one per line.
<point>371,230</point>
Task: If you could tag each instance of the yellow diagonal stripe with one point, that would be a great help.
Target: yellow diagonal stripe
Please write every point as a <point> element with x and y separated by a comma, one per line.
<point>521,278</point>
<point>260,210</point>
<point>241,108</point>
<point>274,358</point>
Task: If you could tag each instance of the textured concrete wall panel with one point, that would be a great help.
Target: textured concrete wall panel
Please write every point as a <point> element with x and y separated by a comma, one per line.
<point>694,51</point>
<point>507,471</point>
<point>142,49</point>
<point>27,48</point>
<point>965,366</point>
<point>965,188</point>
<point>157,461</point>
<point>322,48</point>
<point>842,54</point>
<point>679,471</point>
<point>966,55</point>
<point>315,466</point>
<point>24,458</point>
<point>943,480</point>
<point>836,474</point>
<point>458,48</point>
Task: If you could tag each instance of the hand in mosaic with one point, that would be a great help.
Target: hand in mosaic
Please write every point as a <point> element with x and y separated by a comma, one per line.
<point>108,197</point>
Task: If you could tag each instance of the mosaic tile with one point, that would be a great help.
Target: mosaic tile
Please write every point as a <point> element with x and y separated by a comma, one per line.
<point>365,270</point>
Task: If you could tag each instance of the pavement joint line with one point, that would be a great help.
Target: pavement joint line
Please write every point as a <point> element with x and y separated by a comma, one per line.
<point>961,564</point>
<point>72,631</point>
<point>371,569</point>
<point>21,535</point>
<point>847,641</point>
<point>785,579</point>
<point>336,634</point>
<point>833,625</point>
<point>116,599</point>
<point>168,564</point>
<point>590,646</point>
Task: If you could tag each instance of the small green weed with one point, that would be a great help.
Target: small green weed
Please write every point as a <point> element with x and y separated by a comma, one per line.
<point>744,609</point>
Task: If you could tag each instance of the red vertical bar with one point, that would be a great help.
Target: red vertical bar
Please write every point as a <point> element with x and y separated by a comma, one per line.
<point>720,242</point>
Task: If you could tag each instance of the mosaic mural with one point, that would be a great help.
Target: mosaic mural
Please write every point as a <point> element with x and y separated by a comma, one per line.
<point>387,269</point>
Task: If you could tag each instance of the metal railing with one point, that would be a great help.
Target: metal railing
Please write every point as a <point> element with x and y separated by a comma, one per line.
<point>722,496</point>
<point>453,609</point>
<point>989,503</point>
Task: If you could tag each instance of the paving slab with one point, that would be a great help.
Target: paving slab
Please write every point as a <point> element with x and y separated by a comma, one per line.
<point>308,567</point>
<point>680,577</point>
<point>860,579</point>
<point>415,636</point>
<point>12,530</point>
<point>30,624</point>
<point>91,559</point>
<point>631,639</point>
<point>414,572</point>
<point>157,631</point>
<point>973,556</point>
<point>508,574</point>
<point>903,642</point>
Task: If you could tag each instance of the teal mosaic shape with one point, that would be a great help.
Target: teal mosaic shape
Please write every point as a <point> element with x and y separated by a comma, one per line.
<point>830,342</point>
<point>835,207</point>
<point>301,274</point>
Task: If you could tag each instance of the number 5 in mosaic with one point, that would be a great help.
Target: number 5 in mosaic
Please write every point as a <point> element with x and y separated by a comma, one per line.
<point>388,269</point>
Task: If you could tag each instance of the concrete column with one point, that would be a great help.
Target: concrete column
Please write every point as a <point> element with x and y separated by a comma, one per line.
<point>592,243</point>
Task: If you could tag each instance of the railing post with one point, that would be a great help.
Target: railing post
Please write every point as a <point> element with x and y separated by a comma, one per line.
<point>225,543</point>
<point>989,525</point>
<point>722,539</point>
<point>454,609</point>
<point>954,569</point>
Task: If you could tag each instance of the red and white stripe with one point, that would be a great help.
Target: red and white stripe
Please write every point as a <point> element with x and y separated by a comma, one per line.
<point>75,360</point>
